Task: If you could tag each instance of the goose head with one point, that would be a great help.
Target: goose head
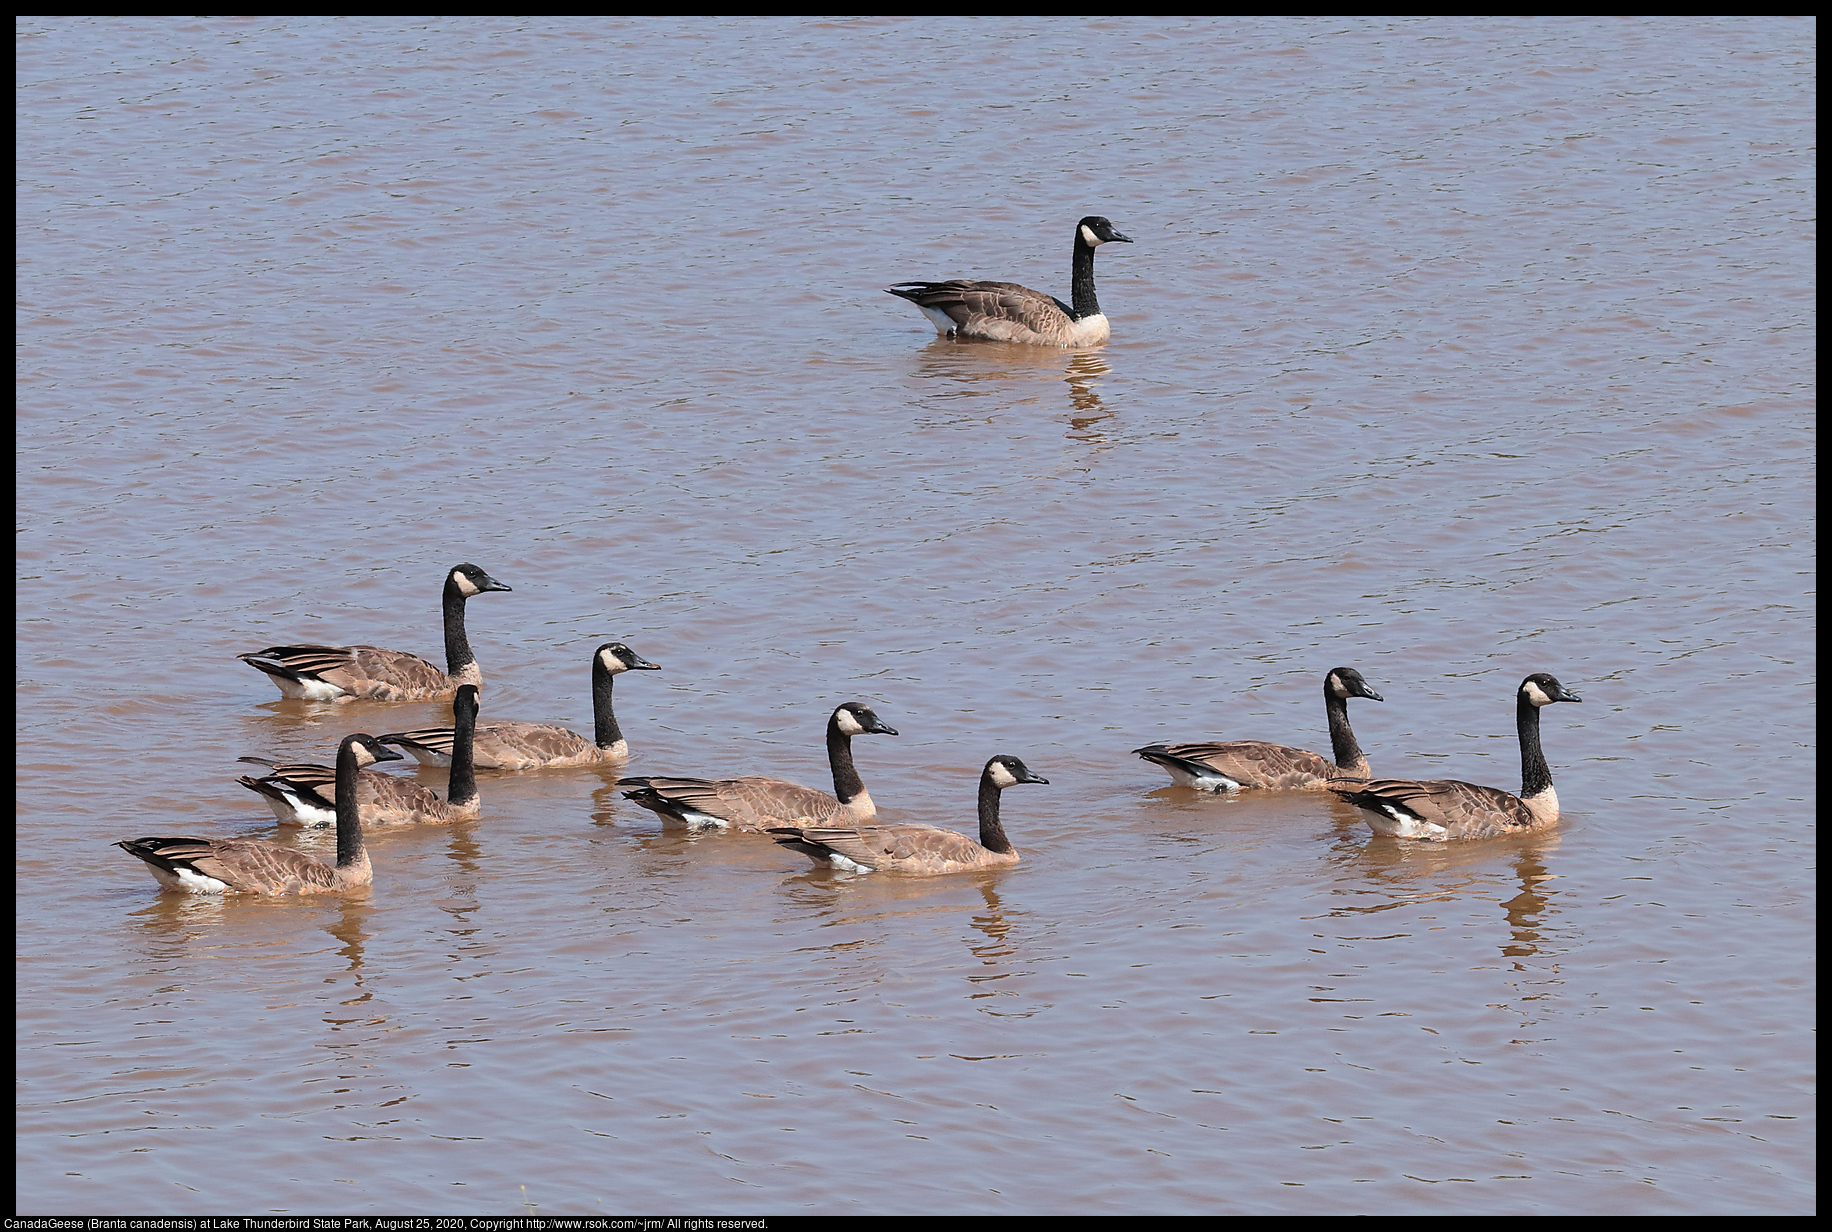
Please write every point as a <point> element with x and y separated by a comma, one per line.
<point>1542,690</point>
<point>369,749</point>
<point>1007,771</point>
<point>1347,682</point>
<point>1093,231</point>
<point>858,719</point>
<point>468,580</point>
<point>465,702</point>
<point>616,657</point>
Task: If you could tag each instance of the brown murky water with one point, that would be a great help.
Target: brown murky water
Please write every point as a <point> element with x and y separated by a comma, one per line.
<point>1447,350</point>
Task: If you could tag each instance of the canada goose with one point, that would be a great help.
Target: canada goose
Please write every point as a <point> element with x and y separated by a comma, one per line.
<point>219,865</point>
<point>917,849</point>
<point>755,802</point>
<point>535,746</point>
<point>328,673</point>
<point>1236,764</point>
<point>1442,809</point>
<point>1007,312</point>
<point>303,795</point>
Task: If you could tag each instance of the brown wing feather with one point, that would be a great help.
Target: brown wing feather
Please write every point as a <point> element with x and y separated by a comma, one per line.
<point>510,746</point>
<point>394,801</point>
<point>999,300</point>
<point>917,849</point>
<point>319,779</point>
<point>750,803</point>
<point>760,800</point>
<point>1464,810</point>
<point>1003,311</point>
<point>249,865</point>
<point>371,672</point>
<point>1255,763</point>
<point>525,746</point>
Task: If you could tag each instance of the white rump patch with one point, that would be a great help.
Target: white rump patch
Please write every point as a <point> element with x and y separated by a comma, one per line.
<point>1398,823</point>
<point>848,866</point>
<point>1209,781</point>
<point>308,689</point>
<point>298,811</point>
<point>943,323</point>
<point>188,880</point>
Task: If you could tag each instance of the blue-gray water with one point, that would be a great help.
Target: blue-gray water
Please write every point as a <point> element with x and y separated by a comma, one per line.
<point>1449,350</point>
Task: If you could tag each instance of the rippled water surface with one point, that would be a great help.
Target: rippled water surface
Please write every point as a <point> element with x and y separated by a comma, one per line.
<point>1451,351</point>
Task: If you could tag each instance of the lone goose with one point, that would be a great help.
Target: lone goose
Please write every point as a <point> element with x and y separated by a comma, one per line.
<point>923,851</point>
<point>1007,312</point>
<point>537,746</point>
<point>755,802</point>
<point>1439,810</point>
<point>304,795</point>
<point>337,673</point>
<point>1252,763</point>
<point>220,865</point>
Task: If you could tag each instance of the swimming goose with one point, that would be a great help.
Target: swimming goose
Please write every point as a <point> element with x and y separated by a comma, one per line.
<point>1439,810</point>
<point>755,802</point>
<point>304,795</point>
<point>220,865</point>
<point>1007,312</point>
<point>335,673</point>
<point>1236,764</point>
<point>536,746</point>
<point>916,849</point>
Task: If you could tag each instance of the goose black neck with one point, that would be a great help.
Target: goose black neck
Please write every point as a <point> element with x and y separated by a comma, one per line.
<point>461,787</point>
<point>458,654</point>
<point>349,815</point>
<point>992,832</point>
<point>1081,280</point>
<point>1535,774</point>
<point>605,731</point>
<point>847,785</point>
<point>1341,739</point>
